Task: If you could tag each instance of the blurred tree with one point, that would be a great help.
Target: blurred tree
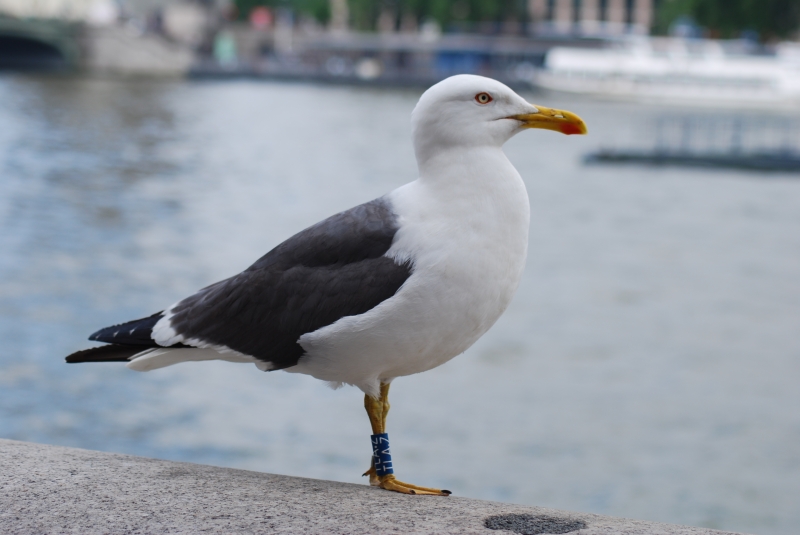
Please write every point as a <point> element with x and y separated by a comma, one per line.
<point>729,18</point>
<point>770,18</point>
<point>669,11</point>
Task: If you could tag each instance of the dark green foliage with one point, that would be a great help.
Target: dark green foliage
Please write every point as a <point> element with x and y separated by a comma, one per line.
<point>729,18</point>
<point>364,13</point>
<point>770,18</point>
<point>668,11</point>
<point>319,9</point>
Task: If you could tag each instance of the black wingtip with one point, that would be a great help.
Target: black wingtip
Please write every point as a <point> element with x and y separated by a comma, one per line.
<point>107,353</point>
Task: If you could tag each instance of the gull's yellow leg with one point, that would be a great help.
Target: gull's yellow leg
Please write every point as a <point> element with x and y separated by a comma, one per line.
<point>377,410</point>
<point>377,418</point>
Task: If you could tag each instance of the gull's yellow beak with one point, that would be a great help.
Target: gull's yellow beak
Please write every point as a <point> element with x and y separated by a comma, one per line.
<point>549,119</point>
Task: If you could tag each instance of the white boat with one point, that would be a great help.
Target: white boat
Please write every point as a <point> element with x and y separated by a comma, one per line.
<point>700,71</point>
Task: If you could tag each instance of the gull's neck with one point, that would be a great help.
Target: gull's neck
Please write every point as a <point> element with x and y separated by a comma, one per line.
<point>472,167</point>
<point>474,185</point>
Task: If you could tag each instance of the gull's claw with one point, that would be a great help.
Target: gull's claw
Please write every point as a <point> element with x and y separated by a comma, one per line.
<point>374,480</point>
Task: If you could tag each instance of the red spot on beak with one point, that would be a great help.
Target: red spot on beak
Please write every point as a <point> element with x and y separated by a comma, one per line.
<point>570,129</point>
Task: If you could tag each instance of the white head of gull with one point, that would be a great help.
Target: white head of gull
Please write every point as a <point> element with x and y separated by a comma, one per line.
<point>389,288</point>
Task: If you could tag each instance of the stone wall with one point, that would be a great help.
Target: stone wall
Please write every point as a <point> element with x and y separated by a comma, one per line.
<point>49,489</point>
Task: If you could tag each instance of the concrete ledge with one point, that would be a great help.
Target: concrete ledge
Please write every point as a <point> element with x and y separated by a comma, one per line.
<point>49,489</point>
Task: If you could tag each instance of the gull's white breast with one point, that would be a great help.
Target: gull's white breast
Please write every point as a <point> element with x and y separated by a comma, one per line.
<point>464,226</point>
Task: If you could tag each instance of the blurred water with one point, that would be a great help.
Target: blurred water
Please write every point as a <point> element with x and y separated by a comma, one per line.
<point>647,368</point>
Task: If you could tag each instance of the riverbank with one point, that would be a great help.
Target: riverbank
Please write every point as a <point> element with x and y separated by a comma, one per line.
<point>51,489</point>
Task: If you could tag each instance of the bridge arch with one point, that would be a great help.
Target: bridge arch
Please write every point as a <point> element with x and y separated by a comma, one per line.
<point>38,44</point>
<point>25,53</point>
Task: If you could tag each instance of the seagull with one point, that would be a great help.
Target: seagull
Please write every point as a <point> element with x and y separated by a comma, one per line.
<point>393,287</point>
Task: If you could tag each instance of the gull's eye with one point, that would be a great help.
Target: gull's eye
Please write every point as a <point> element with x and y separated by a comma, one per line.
<point>483,98</point>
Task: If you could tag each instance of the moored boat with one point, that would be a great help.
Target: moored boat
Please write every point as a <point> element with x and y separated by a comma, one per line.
<point>702,71</point>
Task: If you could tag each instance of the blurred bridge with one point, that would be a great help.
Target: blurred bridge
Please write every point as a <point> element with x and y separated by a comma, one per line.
<point>38,44</point>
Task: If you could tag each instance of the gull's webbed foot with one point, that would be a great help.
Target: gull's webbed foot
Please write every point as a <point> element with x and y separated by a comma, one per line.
<point>391,483</point>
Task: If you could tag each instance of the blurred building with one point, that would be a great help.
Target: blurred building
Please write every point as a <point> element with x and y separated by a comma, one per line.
<point>150,37</point>
<point>103,11</point>
<point>90,11</point>
<point>591,17</point>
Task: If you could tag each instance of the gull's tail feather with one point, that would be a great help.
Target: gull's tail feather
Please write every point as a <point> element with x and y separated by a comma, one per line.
<point>128,342</point>
<point>132,342</point>
<point>108,353</point>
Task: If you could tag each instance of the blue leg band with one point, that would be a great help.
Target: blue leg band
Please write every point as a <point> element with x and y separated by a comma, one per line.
<point>381,456</point>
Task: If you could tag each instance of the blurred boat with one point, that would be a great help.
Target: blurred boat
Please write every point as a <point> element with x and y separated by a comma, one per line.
<point>720,73</point>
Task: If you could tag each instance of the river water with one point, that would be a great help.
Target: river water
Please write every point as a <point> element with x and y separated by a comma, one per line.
<point>648,366</point>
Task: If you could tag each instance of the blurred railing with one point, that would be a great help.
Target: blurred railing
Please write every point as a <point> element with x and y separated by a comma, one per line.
<point>755,142</point>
